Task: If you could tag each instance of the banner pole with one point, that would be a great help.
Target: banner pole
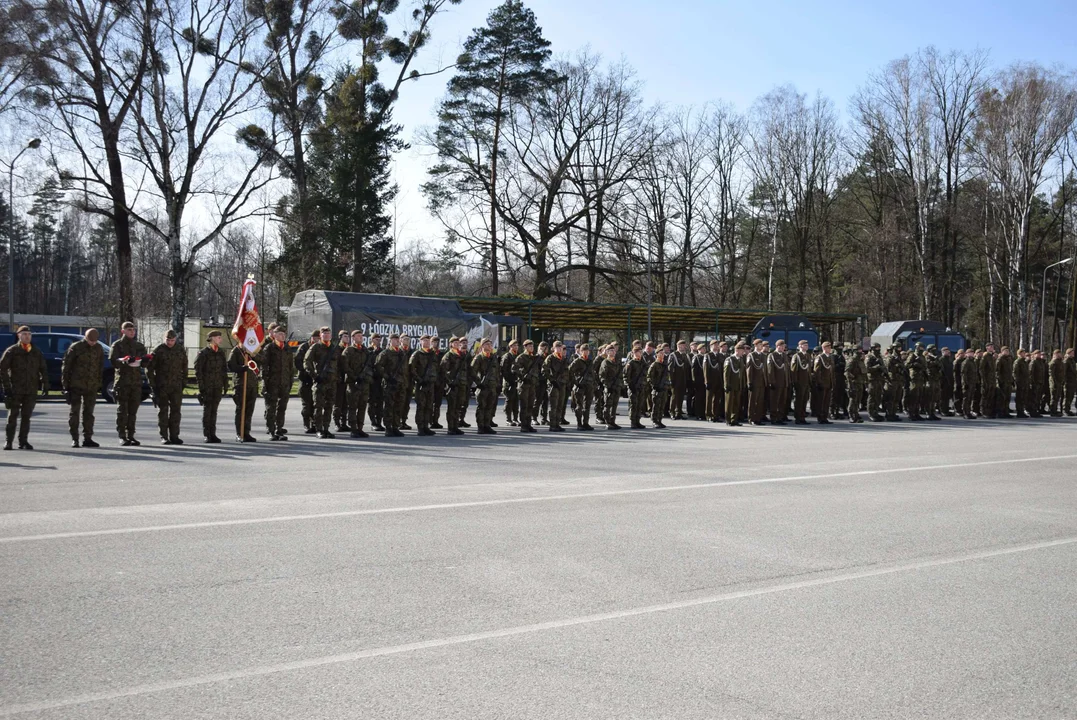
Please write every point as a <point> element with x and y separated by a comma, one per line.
<point>243,405</point>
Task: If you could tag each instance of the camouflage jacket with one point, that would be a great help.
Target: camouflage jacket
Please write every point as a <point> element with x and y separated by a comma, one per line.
<point>582,372</point>
<point>609,373</point>
<point>423,369</point>
<point>277,366</point>
<point>356,366</point>
<point>555,370</point>
<point>83,367</point>
<point>658,376</point>
<point>484,372</point>
<point>392,368</point>
<point>527,369</point>
<point>211,370</point>
<point>168,370</point>
<point>22,371</point>
<point>126,376</point>
<point>321,361</point>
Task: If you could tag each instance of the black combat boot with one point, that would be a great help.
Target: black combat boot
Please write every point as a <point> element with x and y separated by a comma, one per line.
<point>89,443</point>
<point>74,442</point>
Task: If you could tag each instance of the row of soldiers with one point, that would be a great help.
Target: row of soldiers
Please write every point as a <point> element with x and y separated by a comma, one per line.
<point>350,380</point>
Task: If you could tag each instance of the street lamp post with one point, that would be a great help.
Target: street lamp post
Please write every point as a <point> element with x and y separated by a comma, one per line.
<point>32,145</point>
<point>1043,298</point>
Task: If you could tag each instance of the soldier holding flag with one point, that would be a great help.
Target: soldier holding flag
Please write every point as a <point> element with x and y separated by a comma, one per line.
<point>249,335</point>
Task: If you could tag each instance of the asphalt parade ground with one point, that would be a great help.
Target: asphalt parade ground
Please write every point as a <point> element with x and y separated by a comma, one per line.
<point>884,570</point>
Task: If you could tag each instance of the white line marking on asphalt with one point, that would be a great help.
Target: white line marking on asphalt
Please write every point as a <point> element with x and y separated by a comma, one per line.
<point>309,663</point>
<point>511,501</point>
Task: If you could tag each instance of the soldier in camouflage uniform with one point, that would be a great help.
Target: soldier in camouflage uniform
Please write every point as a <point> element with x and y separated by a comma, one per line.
<point>404,399</point>
<point>84,364</point>
<point>582,372</point>
<point>893,382</point>
<point>508,377</point>
<point>1004,383</point>
<point>423,372</point>
<point>484,373</point>
<point>439,386</point>
<point>1038,370</point>
<point>1022,381</point>
<point>540,415</point>
<point>454,377</point>
<point>167,375</point>
<point>245,395</point>
<point>635,371</point>
<point>211,374</point>
<point>126,356</point>
<point>970,382</point>
<point>658,379</point>
<point>1057,371</point>
<point>856,376</point>
<point>23,374</point>
<point>392,367</point>
<point>988,382</point>
<point>277,375</point>
<point>839,402</point>
<point>1070,362</point>
<point>917,369</point>
<point>527,369</point>
<point>555,371</point>
<point>321,364</point>
<point>306,382</point>
<point>340,396</point>
<point>355,373</point>
<point>609,377</point>
<point>376,403</point>
<point>876,371</point>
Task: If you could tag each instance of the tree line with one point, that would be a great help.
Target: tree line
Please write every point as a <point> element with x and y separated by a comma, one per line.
<point>943,191</point>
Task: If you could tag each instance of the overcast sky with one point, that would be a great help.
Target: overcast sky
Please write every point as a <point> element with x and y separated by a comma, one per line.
<point>689,52</point>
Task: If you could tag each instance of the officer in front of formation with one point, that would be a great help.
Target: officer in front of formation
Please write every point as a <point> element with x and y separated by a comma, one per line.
<point>167,375</point>
<point>127,355</point>
<point>23,375</point>
<point>211,375</point>
<point>83,366</point>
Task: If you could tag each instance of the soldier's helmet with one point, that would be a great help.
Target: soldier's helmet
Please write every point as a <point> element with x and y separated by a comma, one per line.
<point>932,348</point>
<point>919,346</point>
<point>876,346</point>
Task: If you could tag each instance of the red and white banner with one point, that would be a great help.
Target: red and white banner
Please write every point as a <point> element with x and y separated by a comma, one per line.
<point>248,328</point>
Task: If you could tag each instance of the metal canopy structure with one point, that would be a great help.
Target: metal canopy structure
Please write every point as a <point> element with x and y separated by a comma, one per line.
<point>557,314</point>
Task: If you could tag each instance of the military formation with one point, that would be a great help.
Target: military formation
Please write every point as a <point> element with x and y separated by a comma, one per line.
<point>346,382</point>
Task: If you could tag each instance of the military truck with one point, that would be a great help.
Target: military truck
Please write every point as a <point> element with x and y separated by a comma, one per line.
<point>791,328</point>
<point>906,333</point>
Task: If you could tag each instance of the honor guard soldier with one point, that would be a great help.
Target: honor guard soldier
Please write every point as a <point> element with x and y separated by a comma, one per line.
<point>527,369</point>
<point>439,386</point>
<point>306,382</point>
<point>1057,371</point>
<point>970,382</point>
<point>609,377</point>
<point>824,382</point>
<point>245,394</point>
<point>635,372</point>
<point>1003,383</point>
<point>917,367</point>
<point>454,376</point>
<point>734,381</point>
<point>376,404</point>
<point>485,375</point>
<point>699,383</point>
<point>340,396</point>
<point>555,370</point>
<point>839,403</point>
<point>679,371</point>
<point>126,356</point>
<point>409,389</point>
<point>1022,379</point>
<point>756,366</point>
<point>23,375</point>
<point>988,383</point>
<point>856,377</point>
<point>1038,369</point>
<point>800,366</point>
<point>356,373</point>
<point>83,367</point>
<point>658,380</point>
<point>278,372</point>
<point>541,413</point>
<point>321,364</point>
<point>582,372</point>
<point>211,374</point>
<point>876,370</point>
<point>508,377</point>
<point>778,377</point>
<point>167,375</point>
<point>423,371</point>
<point>713,366</point>
<point>392,367</point>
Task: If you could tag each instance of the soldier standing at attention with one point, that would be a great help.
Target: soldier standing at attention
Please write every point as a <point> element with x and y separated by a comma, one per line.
<point>278,371</point>
<point>800,375</point>
<point>423,374</point>
<point>355,374</point>
<point>713,364</point>
<point>658,379</point>
<point>239,366</point>
<point>527,369</point>
<point>454,374</point>
<point>839,404</point>
<point>376,404</point>
<point>934,381</point>
<point>1057,371</point>
<point>876,371</point>
<point>392,367</point>
<point>555,370</point>
<point>409,390</point>
<point>988,383</point>
<point>970,381</point>
<point>689,381</point>
<point>756,366</point>
<point>167,375</point>
<point>678,367</point>
<point>1022,381</point>
<point>211,374</point>
<point>734,380</point>
<point>635,371</point>
<point>945,390</point>
<point>649,354</point>
<point>895,377</point>
<point>306,383</point>
<point>856,376</point>
<point>508,377</point>
<point>321,364</point>
<point>126,357</point>
<point>610,379</point>
<point>1071,382</point>
<point>84,365</point>
<point>439,386</point>
<point>340,395</point>
<point>599,398</point>
<point>23,374</point>
<point>540,415</point>
<point>1038,370</point>
<point>484,373</point>
<point>1004,380</point>
<point>778,383</point>
<point>958,390</point>
<point>582,372</point>
<point>824,379</point>
<point>917,368</point>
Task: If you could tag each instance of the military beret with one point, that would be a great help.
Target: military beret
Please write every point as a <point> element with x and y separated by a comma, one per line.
<point>375,336</point>
<point>585,346</point>
<point>932,347</point>
<point>272,327</point>
<point>528,342</point>
<point>487,340</point>
<point>325,329</point>
<point>715,342</point>
<point>356,332</point>
<point>827,344</point>
<point>170,333</point>
<point>91,334</point>
<point>22,329</point>
<point>544,344</point>
<point>213,334</point>
<point>740,344</point>
<point>127,326</point>
<point>394,335</point>
<point>424,337</point>
<point>280,328</point>
<point>340,334</point>
<point>514,341</point>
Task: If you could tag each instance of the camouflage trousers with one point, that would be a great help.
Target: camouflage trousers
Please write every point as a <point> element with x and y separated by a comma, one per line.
<point>526,394</point>
<point>80,407</point>
<point>276,408</point>
<point>211,400</point>
<point>485,406</point>
<point>244,413</point>
<point>456,405</point>
<point>169,403</point>
<point>581,400</point>
<point>358,397</point>
<point>325,394</point>
<point>22,407</point>
<point>512,402</point>
<point>127,401</point>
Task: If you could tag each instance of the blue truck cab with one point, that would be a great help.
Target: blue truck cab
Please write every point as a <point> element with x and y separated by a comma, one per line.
<point>906,333</point>
<point>791,328</point>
